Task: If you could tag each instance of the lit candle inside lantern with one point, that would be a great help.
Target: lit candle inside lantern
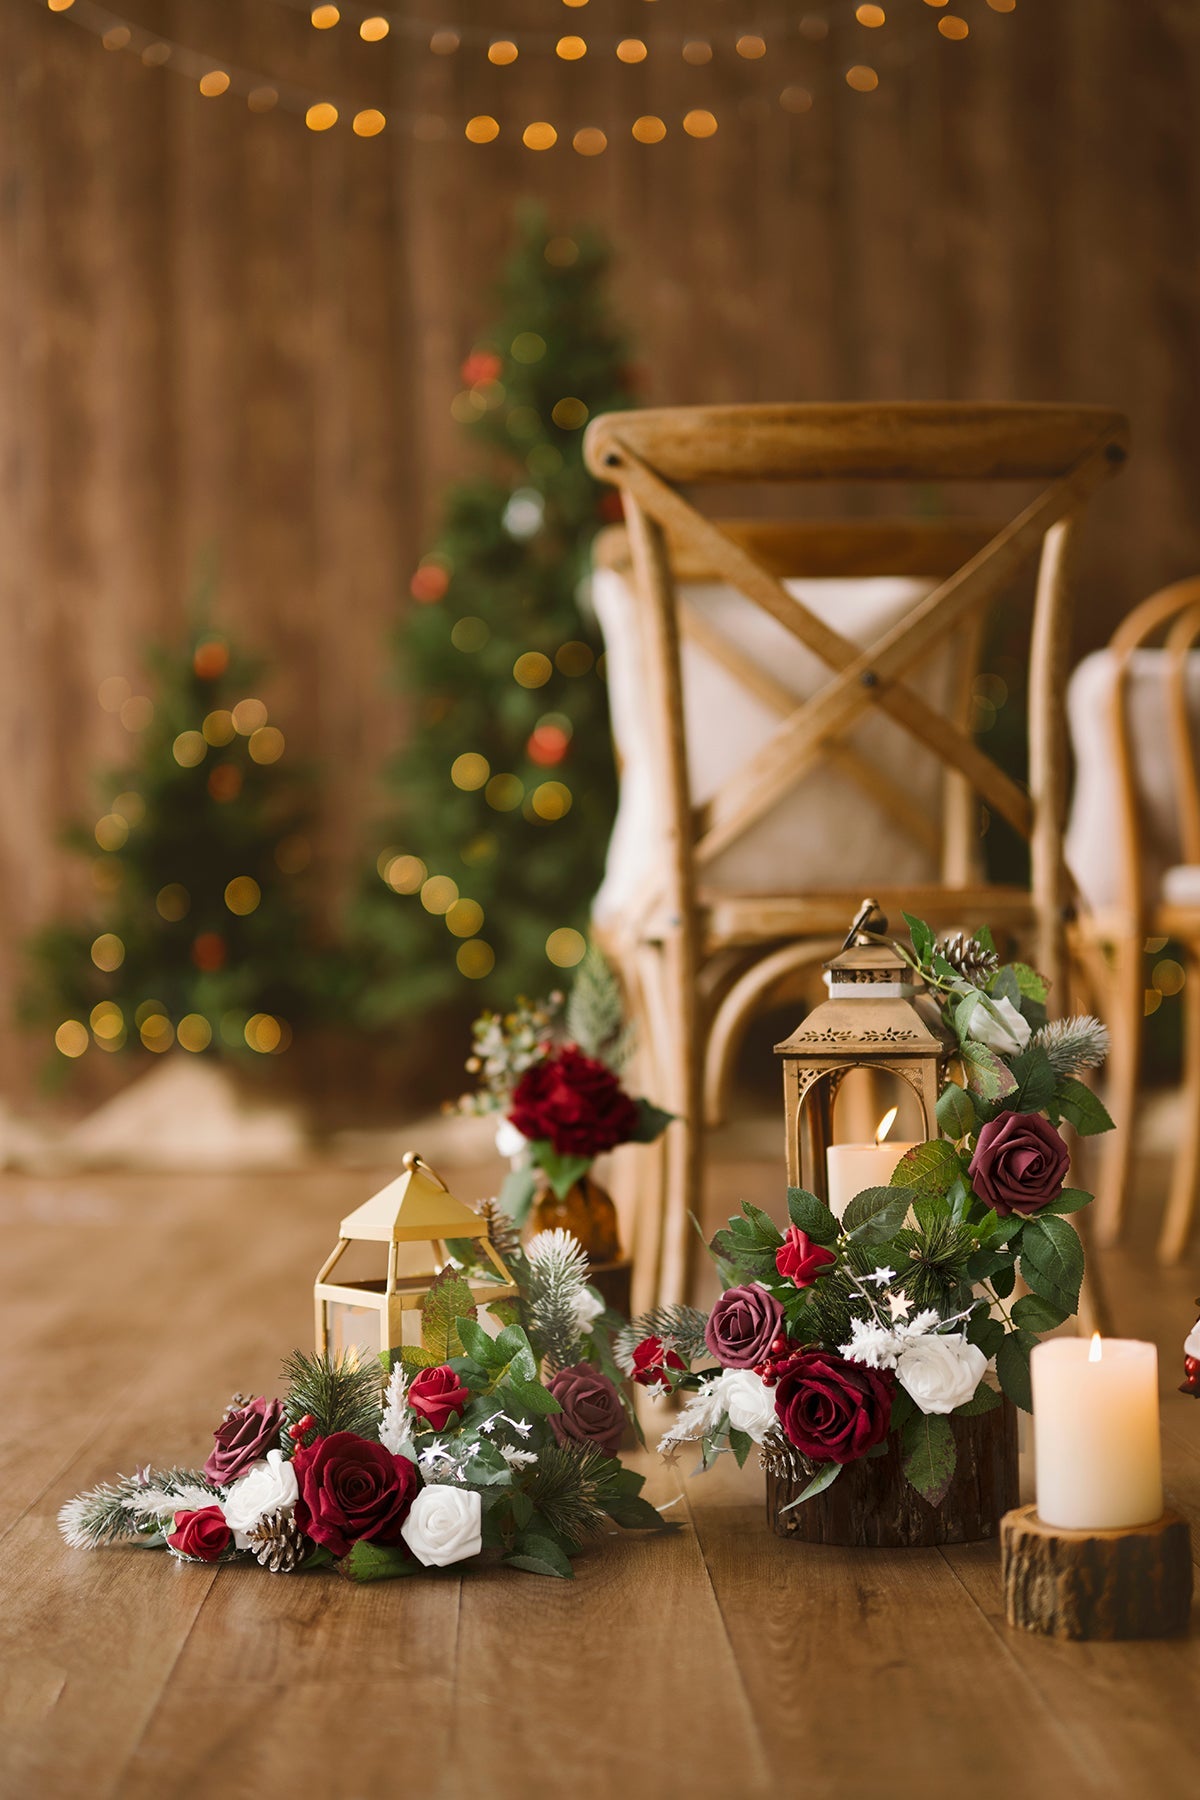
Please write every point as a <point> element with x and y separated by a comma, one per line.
<point>849,1168</point>
<point>1095,1430</point>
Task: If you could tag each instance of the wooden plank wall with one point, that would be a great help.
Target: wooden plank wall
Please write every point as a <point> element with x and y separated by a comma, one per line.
<point>223,334</point>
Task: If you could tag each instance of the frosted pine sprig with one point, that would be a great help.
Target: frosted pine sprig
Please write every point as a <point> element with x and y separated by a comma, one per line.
<point>128,1510</point>
<point>556,1281</point>
<point>1080,1042</point>
<point>595,1015</point>
<point>395,1428</point>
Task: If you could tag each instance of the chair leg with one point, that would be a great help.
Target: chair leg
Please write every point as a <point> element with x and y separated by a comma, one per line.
<point>1185,1174</point>
<point>684,1071</point>
<point>1125,1009</point>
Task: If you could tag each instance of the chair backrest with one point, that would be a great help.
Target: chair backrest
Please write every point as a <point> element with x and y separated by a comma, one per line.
<point>1134,713</point>
<point>1070,450</point>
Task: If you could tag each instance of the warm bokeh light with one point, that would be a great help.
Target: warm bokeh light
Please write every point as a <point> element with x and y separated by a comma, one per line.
<point>566,947</point>
<point>264,1033</point>
<point>1168,976</point>
<point>631,50</point>
<point>218,728</point>
<point>697,51</point>
<point>324,18</point>
<point>796,100</point>
<point>71,1038</point>
<point>173,902</point>
<point>113,692</point>
<point>61,6</point>
<point>111,831</point>
<point>469,634</point>
<point>502,52</point>
<point>475,959</point>
<point>470,770</point>
<point>464,918</point>
<point>374,29</point>
<point>130,807</point>
<point>248,715</point>
<point>861,78</point>
<point>1151,1001</point>
<point>321,116</point>
<point>751,47</point>
<point>699,124</point>
<point>107,1021</point>
<point>482,129</point>
<point>574,657</point>
<point>242,895</point>
<point>539,136</point>
<point>262,99</point>
<point>528,347</point>
<point>571,49</point>
<point>550,801</point>
<point>368,123</point>
<point>504,793</point>
<point>215,83</point>
<point>569,413</point>
<point>266,744</point>
<point>438,894</point>
<point>156,1032</point>
<point>137,713</point>
<point>155,55</point>
<point>117,37</point>
<point>1003,6</point>
<point>589,141</point>
<point>225,783</point>
<point>951,26</point>
<point>532,670</point>
<point>404,874</point>
<point>870,16</point>
<point>444,43</point>
<point>194,1033</point>
<point>189,749</point>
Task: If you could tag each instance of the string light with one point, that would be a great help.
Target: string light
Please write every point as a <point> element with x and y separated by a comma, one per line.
<point>111,832</point>
<point>699,124</point>
<point>502,52</point>
<point>324,18</point>
<point>470,634</point>
<point>482,129</point>
<point>571,49</point>
<point>532,669</point>
<point>214,84</point>
<point>173,902</point>
<point>870,16</point>
<point>528,347</point>
<point>539,136</point>
<point>444,43</point>
<point>374,29</point>
<point>861,78</point>
<point>108,952</point>
<point>589,141</point>
<point>569,414</point>
<point>464,918</point>
<point>248,716</point>
<point>71,1038</point>
<point>470,771</point>
<point>242,895</point>
<point>405,874</point>
<point>751,47</point>
<point>117,38</point>
<point>321,116</point>
<point>194,1033</point>
<point>697,52</point>
<point>648,129</point>
<point>566,947</point>
<point>951,26</point>
<point>368,123</point>
<point>266,744</point>
<point>631,50</point>
<point>475,959</point>
<point>438,893</point>
<point>218,728</point>
<point>189,749</point>
<point>574,658</point>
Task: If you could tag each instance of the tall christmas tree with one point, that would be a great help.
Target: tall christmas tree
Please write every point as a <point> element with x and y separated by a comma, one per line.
<point>198,936</point>
<point>504,792</point>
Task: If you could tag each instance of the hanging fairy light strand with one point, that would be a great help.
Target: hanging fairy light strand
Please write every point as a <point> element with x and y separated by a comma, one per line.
<point>216,77</point>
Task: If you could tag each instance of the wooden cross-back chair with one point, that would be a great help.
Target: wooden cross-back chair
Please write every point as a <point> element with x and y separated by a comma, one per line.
<point>1157,889</point>
<point>673,947</point>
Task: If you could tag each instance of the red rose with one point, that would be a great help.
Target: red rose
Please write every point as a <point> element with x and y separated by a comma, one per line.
<point>742,1326</point>
<point>651,1360</point>
<point>1019,1165</point>
<point>798,1259</point>
<point>352,1489</point>
<point>592,1413</point>
<point>831,1409</point>
<point>576,1102</point>
<point>438,1394</point>
<point>243,1437</point>
<point>203,1535</point>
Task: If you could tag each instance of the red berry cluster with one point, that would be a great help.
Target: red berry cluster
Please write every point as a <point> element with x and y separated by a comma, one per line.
<point>783,1352</point>
<point>300,1430</point>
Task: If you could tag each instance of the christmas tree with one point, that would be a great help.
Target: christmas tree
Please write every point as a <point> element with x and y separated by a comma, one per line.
<point>198,937</point>
<point>503,795</point>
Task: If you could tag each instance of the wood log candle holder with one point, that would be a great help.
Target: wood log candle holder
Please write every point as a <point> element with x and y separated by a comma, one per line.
<point>1132,1583</point>
<point>872,1505</point>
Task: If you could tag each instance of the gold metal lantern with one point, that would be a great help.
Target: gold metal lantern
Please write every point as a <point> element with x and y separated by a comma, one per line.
<point>416,1217</point>
<point>879,1015</point>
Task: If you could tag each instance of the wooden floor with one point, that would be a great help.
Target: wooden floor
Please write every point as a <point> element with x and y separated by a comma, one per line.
<point>718,1661</point>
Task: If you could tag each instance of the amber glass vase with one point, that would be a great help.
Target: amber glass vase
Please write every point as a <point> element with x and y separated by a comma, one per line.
<point>586,1211</point>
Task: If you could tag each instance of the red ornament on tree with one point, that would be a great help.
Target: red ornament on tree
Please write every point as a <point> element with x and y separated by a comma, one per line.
<point>429,583</point>
<point>211,659</point>
<point>209,952</point>
<point>547,745</point>
<point>481,365</point>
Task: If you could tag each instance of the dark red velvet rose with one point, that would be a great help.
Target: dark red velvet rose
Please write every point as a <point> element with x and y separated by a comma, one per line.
<point>1020,1163</point>
<point>798,1259</point>
<point>742,1326</point>
<point>575,1102</point>
<point>243,1437</point>
<point>831,1409</point>
<point>651,1360</point>
<point>202,1534</point>
<point>438,1395</point>
<point>591,1413</point>
<point>352,1489</point>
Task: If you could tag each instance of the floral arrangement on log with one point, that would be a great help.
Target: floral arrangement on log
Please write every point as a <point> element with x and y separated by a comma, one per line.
<point>835,1335</point>
<point>478,1446</point>
<point>552,1069</point>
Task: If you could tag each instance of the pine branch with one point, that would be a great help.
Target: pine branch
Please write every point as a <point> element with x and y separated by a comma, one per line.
<point>339,1393</point>
<point>556,1270</point>
<point>1080,1042</point>
<point>116,1511</point>
<point>567,1488</point>
<point>681,1328</point>
<point>595,1016</point>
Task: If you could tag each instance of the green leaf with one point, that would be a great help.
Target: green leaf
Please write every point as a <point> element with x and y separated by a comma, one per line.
<point>741,1444</point>
<point>1012,1367</point>
<point>449,1299</point>
<point>632,1513</point>
<point>652,1122</point>
<point>1052,1260</point>
<point>541,1556</point>
<point>1036,1082</point>
<point>987,1076</point>
<point>812,1215</point>
<point>376,1562</point>
<point>533,1397</point>
<point>1069,1201</point>
<point>921,935</point>
<point>930,1457</point>
<point>956,1114</point>
<point>984,936</point>
<point>985,1399</point>
<point>877,1214</point>
<point>1080,1107</point>
<point>477,1344</point>
<point>767,1235</point>
<point>517,1191</point>
<point>1032,985</point>
<point>562,1172</point>
<point>1003,986</point>
<point>825,1477</point>
<point>1004,1281</point>
<point>414,1359</point>
<point>986,1333</point>
<point>1033,1313</point>
<point>928,1169</point>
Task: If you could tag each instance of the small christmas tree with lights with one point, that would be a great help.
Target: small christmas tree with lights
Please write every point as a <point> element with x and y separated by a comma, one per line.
<point>199,937</point>
<point>504,792</point>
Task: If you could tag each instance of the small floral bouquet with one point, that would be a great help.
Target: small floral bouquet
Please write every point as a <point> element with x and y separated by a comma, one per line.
<point>835,1335</point>
<point>507,1446</point>
<point>553,1070</point>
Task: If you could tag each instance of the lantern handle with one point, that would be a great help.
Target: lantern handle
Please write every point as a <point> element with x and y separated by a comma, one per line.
<point>410,1162</point>
<point>869,922</point>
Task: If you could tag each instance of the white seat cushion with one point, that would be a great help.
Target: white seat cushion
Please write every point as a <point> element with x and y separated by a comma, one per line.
<point>1181,885</point>
<point>827,833</point>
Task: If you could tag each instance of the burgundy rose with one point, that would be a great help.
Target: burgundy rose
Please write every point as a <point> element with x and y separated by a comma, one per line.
<point>831,1409</point>
<point>202,1534</point>
<point>742,1326</point>
<point>592,1413</point>
<point>243,1437</point>
<point>350,1489</point>
<point>576,1102</point>
<point>652,1359</point>
<point>438,1395</point>
<point>798,1259</point>
<point>1020,1163</point>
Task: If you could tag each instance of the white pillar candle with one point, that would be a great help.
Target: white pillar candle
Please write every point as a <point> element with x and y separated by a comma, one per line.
<point>1095,1433</point>
<point>849,1168</point>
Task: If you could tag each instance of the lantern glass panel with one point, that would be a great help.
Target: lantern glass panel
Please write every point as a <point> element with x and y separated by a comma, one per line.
<point>353,1329</point>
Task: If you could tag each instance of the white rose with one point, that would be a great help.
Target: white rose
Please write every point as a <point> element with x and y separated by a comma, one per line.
<point>1191,1343</point>
<point>585,1310</point>
<point>940,1372</point>
<point>748,1401</point>
<point>999,1025</point>
<point>266,1487</point>
<point>509,1141</point>
<point>444,1525</point>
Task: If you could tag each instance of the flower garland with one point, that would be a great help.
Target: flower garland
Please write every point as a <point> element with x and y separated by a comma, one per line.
<point>836,1336</point>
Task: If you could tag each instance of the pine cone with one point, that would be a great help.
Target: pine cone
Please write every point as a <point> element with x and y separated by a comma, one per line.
<point>278,1543</point>
<point>236,1402</point>
<point>968,956</point>
<point>781,1459</point>
<point>503,1231</point>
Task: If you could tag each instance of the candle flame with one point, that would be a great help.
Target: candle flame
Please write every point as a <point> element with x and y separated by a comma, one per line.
<point>1094,1353</point>
<point>885,1124</point>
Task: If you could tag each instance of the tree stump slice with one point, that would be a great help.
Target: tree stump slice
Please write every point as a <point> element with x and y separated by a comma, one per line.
<point>1135,1583</point>
<point>871,1505</point>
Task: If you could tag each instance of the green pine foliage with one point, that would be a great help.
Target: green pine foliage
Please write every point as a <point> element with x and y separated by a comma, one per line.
<point>502,798</point>
<point>197,933</point>
<point>337,1393</point>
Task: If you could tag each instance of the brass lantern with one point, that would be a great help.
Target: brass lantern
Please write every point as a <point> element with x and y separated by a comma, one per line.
<point>879,1015</point>
<point>416,1216</point>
